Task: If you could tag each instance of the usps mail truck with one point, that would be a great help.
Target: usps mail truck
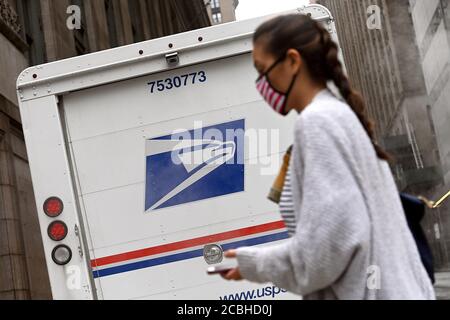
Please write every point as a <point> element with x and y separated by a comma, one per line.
<point>150,160</point>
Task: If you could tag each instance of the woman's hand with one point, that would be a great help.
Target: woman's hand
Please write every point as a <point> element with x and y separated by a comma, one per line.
<point>233,274</point>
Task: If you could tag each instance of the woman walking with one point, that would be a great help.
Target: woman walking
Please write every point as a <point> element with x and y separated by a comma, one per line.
<point>350,238</point>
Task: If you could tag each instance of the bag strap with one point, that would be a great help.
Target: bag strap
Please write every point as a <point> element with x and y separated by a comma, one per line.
<point>277,187</point>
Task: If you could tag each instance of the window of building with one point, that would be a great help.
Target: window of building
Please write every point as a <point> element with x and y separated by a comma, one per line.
<point>80,35</point>
<point>215,7</point>
<point>215,4</point>
<point>217,18</point>
<point>446,12</point>
<point>31,19</point>
<point>136,21</point>
<point>111,20</point>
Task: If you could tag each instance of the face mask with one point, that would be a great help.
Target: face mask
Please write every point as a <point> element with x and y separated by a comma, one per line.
<point>277,100</point>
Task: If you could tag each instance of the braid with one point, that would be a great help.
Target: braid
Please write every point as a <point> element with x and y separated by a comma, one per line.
<point>335,72</point>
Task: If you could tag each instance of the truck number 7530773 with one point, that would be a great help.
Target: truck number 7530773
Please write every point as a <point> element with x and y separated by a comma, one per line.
<point>177,81</point>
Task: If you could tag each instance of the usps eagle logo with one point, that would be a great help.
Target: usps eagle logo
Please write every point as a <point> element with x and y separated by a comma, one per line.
<point>194,165</point>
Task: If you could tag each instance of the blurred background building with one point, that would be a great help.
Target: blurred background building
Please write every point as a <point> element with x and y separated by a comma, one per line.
<point>222,11</point>
<point>403,71</point>
<point>34,32</point>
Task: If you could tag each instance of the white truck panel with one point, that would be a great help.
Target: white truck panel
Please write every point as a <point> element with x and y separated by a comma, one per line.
<point>110,208</point>
<point>44,137</point>
<point>96,136</point>
<point>112,101</point>
<point>152,284</point>
<point>125,147</point>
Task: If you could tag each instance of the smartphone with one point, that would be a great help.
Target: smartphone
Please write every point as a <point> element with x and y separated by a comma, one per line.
<point>219,269</point>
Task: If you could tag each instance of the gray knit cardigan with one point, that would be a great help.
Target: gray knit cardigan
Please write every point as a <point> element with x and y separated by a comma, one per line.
<point>352,240</point>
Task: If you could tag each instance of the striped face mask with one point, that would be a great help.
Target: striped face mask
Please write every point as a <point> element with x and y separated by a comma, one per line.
<point>276,99</point>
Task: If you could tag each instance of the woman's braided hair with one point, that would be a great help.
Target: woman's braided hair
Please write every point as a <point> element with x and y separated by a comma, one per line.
<point>320,54</point>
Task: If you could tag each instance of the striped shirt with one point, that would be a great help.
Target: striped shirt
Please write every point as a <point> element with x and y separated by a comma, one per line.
<point>286,204</point>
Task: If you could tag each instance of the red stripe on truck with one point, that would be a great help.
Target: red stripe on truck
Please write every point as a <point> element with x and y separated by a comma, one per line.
<point>187,243</point>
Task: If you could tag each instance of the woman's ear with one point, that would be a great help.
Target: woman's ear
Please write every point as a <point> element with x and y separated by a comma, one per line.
<point>295,60</point>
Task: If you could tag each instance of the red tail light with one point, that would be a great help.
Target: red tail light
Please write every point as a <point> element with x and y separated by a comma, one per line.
<point>57,230</point>
<point>53,207</point>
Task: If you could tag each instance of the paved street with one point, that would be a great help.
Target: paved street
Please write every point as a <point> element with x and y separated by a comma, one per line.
<point>442,285</point>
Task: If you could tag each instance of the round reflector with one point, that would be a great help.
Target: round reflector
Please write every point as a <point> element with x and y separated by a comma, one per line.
<point>53,207</point>
<point>57,230</point>
<point>61,255</point>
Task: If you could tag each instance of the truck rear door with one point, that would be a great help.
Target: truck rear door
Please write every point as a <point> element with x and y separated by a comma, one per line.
<point>161,155</point>
<point>171,167</point>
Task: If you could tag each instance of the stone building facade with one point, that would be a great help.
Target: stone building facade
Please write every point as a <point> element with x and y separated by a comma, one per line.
<point>401,68</point>
<point>34,32</point>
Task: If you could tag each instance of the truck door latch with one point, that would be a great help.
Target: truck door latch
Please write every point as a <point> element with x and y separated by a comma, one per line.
<point>173,59</point>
